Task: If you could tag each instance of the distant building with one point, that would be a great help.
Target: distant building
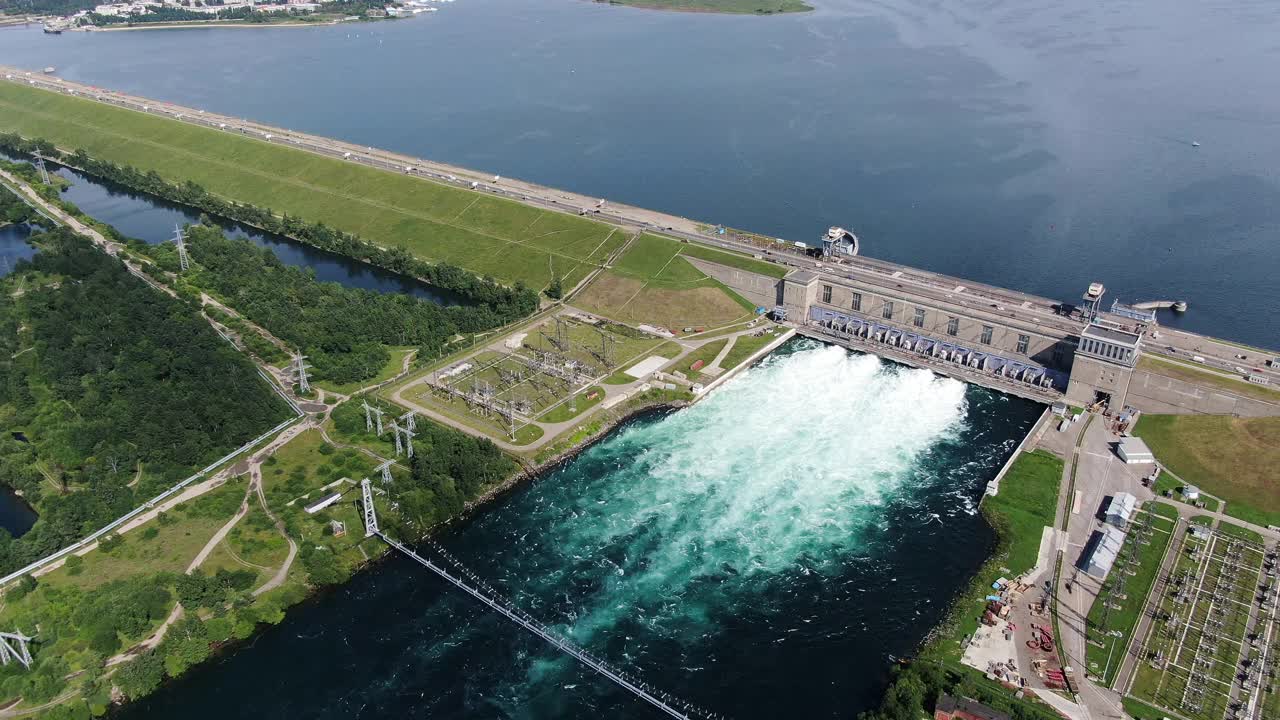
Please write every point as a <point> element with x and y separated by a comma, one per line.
<point>950,708</point>
<point>1106,546</point>
<point>1121,508</point>
<point>1133,451</point>
<point>375,12</point>
<point>322,503</point>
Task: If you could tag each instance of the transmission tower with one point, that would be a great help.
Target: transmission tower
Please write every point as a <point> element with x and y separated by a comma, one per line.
<point>370,515</point>
<point>407,420</point>
<point>385,469</point>
<point>372,416</point>
<point>14,646</point>
<point>300,370</point>
<point>405,446</point>
<point>184,261</point>
<point>44,172</point>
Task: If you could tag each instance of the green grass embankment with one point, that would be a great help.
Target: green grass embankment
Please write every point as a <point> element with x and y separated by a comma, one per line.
<point>1231,458</point>
<point>1025,505</point>
<point>479,232</point>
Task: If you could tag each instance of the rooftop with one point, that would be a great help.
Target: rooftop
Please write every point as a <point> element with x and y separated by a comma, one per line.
<point>1111,335</point>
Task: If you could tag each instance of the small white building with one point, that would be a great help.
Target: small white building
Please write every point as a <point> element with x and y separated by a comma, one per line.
<point>1121,508</point>
<point>323,503</point>
<point>1133,451</point>
<point>1191,493</point>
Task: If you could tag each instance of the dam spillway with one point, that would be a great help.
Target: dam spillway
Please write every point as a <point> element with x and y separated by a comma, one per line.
<point>769,546</point>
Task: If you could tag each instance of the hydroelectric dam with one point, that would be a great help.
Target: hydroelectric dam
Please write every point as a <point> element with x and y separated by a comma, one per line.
<point>1084,352</point>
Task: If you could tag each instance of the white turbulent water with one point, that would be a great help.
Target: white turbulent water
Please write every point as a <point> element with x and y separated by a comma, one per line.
<point>760,553</point>
<point>780,471</point>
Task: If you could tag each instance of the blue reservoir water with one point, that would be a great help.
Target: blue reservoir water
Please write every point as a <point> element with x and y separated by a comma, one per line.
<point>1038,146</point>
<point>761,554</point>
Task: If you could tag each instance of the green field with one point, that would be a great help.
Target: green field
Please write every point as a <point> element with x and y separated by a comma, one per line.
<point>487,235</point>
<point>741,7</point>
<point>744,346</point>
<point>1231,458</point>
<point>651,283</point>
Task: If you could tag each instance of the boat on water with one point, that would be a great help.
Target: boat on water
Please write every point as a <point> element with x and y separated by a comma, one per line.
<point>52,29</point>
<point>51,69</point>
<point>1195,143</point>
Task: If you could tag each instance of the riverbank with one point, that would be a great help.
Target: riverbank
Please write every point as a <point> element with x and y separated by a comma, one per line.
<point>205,24</point>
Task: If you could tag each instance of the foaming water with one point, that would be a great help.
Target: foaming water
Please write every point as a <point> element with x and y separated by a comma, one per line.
<point>761,552</point>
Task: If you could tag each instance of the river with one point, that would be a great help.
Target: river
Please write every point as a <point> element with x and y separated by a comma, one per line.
<point>1039,147</point>
<point>760,554</point>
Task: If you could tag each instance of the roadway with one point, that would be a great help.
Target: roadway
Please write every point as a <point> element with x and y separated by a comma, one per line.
<point>888,276</point>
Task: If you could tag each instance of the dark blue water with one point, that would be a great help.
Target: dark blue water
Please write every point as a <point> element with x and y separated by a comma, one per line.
<point>1039,146</point>
<point>770,572</point>
<point>13,246</point>
<point>153,220</point>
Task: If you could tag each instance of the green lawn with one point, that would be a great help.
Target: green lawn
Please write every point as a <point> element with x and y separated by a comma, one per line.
<point>482,233</point>
<point>742,7</point>
<point>744,346</point>
<point>653,283</point>
<point>570,409</point>
<point>1025,505</point>
<point>1227,528</point>
<point>1166,483</point>
<point>706,354</point>
<point>1104,660</point>
<point>1230,458</point>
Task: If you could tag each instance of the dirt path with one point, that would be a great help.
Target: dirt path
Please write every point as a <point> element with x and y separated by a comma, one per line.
<point>278,579</point>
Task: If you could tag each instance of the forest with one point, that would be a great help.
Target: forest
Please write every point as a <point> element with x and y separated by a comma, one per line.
<point>344,331</point>
<point>117,390</point>
<point>13,210</point>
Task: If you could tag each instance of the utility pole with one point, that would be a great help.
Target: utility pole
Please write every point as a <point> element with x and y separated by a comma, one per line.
<point>370,413</point>
<point>370,515</point>
<point>13,646</point>
<point>300,368</point>
<point>44,172</point>
<point>407,420</point>
<point>184,261</point>
<point>385,469</point>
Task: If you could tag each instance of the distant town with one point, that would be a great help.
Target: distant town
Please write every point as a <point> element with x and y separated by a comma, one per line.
<point>177,13</point>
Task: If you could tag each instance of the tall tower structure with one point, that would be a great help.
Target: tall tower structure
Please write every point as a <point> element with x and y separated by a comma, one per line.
<point>300,372</point>
<point>184,260</point>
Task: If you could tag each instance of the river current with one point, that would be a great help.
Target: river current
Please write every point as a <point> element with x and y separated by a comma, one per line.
<point>760,554</point>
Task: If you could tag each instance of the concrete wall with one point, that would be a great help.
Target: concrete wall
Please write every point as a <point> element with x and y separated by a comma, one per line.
<point>1154,393</point>
<point>901,310</point>
<point>759,289</point>
<point>1089,375</point>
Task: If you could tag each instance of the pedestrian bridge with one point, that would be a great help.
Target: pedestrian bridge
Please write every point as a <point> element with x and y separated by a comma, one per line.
<point>466,581</point>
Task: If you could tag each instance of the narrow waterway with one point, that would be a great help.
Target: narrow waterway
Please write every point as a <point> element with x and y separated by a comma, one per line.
<point>153,220</point>
<point>16,516</point>
<point>760,554</point>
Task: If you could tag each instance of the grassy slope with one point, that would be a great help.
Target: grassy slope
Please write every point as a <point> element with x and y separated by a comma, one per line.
<point>1231,458</point>
<point>1024,506</point>
<point>651,283</point>
<point>761,7</point>
<point>488,235</point>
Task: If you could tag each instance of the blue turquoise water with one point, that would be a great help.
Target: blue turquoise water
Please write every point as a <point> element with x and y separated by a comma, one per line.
<point>763,552</point>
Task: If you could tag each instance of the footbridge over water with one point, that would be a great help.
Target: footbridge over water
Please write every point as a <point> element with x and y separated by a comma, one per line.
<point>477,588</point>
